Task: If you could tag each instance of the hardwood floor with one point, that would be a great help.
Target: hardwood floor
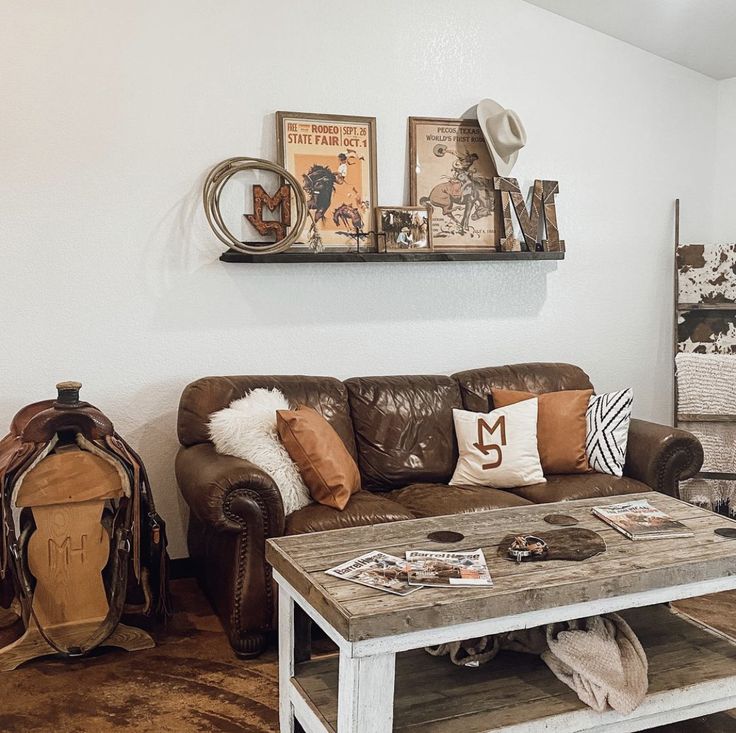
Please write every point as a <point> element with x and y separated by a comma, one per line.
<point>719,611</point>
<point>190,683</point>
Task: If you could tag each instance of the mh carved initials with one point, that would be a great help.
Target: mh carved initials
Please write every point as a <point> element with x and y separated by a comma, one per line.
<point>63,553</point>
<point>281,198</point>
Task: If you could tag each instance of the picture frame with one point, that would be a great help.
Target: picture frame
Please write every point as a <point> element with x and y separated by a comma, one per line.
<point>451,171</point>
<point>404,229</point>
<point>334,157</point>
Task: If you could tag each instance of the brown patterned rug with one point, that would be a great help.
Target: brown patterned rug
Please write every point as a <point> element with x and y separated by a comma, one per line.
<point>192,683</point>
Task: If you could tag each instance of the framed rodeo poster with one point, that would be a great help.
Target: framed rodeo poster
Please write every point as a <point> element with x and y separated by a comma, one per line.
<point>451,173</point>
<point>334,158</point>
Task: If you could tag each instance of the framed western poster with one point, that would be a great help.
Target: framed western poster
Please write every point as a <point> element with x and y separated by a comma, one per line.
<point>451,172</point>
<point>334,158</point>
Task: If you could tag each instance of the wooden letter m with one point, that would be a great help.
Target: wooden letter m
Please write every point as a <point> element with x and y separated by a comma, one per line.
<point>530,221</point>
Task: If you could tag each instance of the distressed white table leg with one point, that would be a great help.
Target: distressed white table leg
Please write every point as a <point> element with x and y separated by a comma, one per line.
<point>286,660</point>
<point>365,702</point>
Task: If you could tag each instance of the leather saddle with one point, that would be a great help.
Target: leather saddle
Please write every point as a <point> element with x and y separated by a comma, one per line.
<point>136,575</point>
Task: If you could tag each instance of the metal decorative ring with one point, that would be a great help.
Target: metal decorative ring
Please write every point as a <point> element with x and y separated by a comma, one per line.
<point>215,182</point>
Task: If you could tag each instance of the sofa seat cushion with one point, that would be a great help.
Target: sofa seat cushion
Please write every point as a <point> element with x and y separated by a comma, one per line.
<point>579,486</point>
<point>435,500</point>
<point>364,508</point>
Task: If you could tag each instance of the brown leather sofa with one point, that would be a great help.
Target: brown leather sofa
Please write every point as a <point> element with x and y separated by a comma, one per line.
<point>400,430</point>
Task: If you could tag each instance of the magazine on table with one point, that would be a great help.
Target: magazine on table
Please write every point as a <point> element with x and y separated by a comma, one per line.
<point>442,569</point>
<point>376,570</point>
<point>639,520</point>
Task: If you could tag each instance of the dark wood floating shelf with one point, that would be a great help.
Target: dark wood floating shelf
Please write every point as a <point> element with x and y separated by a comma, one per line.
<point>295,257</point>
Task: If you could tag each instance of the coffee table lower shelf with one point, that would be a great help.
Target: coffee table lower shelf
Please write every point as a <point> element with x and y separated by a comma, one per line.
<point>692,672</point>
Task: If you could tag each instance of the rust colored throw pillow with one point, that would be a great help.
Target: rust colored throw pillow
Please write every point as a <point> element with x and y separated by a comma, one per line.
<point>561,426</point>
<point>326,466</point>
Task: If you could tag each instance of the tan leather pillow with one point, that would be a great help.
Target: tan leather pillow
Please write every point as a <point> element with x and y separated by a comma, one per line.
<point>326,466</point>
<point>561,426</point>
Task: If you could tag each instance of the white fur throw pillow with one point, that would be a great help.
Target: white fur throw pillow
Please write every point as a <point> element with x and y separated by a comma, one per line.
<point>247,429</point>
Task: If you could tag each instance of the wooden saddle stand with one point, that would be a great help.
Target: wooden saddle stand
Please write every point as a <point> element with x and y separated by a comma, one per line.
<point>81,541</point>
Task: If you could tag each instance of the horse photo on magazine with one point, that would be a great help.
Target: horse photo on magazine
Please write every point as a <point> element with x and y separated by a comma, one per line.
<point>444,569</point>
<point>376,570</point>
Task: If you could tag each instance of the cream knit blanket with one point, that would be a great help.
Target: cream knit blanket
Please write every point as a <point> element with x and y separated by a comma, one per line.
<point>601,659</point>
<point>706,384</point>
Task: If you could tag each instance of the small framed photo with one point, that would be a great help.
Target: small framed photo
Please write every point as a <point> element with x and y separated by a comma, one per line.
<point>334,158</point>
<point>451,172</point>
<point>405,229</point>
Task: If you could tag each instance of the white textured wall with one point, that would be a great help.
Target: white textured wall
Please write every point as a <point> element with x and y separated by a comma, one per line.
<point>112,112</point>
<point>725,183</point>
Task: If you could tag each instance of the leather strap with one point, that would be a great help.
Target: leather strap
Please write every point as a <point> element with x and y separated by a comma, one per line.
<point>118,447</point>
<point>17,460</point>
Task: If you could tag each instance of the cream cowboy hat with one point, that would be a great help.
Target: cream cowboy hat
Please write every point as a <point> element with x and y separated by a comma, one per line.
<point>504,133</point>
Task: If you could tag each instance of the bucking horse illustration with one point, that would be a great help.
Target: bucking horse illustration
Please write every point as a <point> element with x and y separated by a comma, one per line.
<point>467,189</point>
<point>319,185</point>
<point>348,216</point>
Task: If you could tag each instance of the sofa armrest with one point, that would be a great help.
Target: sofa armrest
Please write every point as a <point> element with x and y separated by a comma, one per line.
<point>224,491</point>
<point>660,456</point>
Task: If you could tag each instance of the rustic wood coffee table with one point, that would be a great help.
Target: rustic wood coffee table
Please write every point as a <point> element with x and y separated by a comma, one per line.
<point>382,680</point>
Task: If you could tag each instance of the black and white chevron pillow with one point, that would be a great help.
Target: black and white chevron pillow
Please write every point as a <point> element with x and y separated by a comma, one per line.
<point>608,418</point>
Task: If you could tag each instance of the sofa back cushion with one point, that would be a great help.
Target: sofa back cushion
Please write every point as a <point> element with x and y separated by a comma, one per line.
<point>201,398</point>
<point>537,377</point>
<point>403,429</point>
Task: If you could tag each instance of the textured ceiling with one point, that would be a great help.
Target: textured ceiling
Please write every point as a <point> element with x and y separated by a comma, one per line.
<point>698,34</point>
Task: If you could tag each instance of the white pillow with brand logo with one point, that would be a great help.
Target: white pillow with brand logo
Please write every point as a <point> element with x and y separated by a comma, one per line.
<point>499,448</point>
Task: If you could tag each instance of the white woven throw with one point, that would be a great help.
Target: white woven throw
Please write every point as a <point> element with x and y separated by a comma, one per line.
<point>706,384</point>
<point>716,495</point>
<point>719,444</point>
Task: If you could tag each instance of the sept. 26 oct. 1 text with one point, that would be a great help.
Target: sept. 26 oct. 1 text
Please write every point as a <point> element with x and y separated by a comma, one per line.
<point>349,136</point>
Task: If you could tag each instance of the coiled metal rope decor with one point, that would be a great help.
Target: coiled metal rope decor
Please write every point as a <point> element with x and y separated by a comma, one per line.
<point>216,180</point>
